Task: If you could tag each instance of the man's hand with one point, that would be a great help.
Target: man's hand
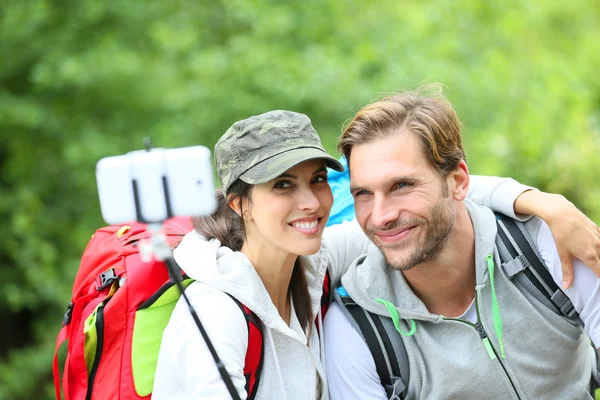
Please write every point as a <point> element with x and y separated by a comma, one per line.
<point>576,235</point>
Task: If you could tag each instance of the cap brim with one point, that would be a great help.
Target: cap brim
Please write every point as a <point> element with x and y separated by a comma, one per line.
<point>274,166</point>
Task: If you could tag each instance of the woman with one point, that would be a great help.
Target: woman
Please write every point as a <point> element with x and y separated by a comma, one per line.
<point>265,249</point>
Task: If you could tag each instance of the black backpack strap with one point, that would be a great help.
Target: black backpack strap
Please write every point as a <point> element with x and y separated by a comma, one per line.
<point>256,351</point>
<point>533,267</point>
<point>378,341</point>
<point>527,261</point>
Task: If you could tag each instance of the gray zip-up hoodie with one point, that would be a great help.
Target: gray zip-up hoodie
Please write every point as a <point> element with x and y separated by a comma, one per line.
<point>292,363</point>
<point>546,357</point>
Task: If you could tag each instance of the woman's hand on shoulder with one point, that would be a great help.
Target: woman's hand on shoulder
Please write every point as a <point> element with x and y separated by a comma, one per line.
<point>575,235</point>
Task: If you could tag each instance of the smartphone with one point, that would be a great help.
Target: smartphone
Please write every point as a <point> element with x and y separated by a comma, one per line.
<point>154,185</point>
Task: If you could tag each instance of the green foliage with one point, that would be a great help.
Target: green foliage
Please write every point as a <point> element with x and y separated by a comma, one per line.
<point>83,80</point>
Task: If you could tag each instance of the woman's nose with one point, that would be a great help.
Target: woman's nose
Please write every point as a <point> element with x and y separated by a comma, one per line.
<point>308,200</point>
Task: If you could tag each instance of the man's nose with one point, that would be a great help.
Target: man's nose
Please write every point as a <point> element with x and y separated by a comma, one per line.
<point>384,211</point>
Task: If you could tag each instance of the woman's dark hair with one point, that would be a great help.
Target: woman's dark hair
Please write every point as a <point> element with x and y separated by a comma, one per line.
<point>224,224</point>
<point>228,227</point>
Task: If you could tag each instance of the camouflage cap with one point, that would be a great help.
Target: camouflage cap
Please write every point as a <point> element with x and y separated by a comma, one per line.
<point>262,147</point>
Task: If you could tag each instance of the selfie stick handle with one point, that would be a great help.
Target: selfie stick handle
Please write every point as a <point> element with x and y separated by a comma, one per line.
<point>175,272</point>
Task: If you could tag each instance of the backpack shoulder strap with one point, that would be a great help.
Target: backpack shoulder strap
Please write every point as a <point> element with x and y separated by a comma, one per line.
<point>326,296</point>
<point>391,361</point>
<point>325,299</point>
<point>523,258</point>
<point>255,354</point>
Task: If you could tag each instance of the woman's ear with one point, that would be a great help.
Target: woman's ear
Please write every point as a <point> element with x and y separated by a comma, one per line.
<point>239,206</point>
<point>236,204</point>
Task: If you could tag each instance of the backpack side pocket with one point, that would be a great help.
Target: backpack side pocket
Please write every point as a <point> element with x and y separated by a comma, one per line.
<point>150,321</point>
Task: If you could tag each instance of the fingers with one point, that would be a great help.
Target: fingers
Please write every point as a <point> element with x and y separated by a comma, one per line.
<point>566,262</point>
<point>593,259</point>
<point>594,263</point>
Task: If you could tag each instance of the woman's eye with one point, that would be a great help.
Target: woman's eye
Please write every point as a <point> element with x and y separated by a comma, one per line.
<point>282,185</point>
<point>320,179</point>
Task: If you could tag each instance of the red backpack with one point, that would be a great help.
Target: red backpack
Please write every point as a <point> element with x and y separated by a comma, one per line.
<point>119,308</point>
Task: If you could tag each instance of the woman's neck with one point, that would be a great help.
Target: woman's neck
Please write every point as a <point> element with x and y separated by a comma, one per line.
<point>274,268</point>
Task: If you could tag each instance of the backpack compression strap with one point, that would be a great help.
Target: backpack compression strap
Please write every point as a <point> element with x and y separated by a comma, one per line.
<point>379,344</point>
<point>255,353</point>
<point>533,267</point>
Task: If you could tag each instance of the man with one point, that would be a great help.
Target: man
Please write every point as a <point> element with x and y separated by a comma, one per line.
<point>434,269</point>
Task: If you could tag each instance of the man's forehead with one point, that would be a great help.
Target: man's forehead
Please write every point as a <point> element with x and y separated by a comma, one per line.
<point>402,142</point>
<point>378,175</point>
<point>386,160</point>
<point>397,148</point>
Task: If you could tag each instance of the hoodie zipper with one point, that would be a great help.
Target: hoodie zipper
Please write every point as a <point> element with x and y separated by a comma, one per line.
<point>486,341</point>
<point>99,346</point>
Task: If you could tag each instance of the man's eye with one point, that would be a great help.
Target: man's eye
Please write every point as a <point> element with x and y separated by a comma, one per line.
<point>401,185</point>
<point>360,193</point>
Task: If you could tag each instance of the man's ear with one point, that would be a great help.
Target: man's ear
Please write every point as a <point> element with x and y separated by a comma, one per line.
<point>459,181</point>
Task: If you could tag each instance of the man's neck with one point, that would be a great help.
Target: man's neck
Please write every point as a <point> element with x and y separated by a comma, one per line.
<point>446,285</point>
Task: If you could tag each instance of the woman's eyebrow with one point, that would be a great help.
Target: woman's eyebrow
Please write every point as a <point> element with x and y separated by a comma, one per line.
<point>286,175</point>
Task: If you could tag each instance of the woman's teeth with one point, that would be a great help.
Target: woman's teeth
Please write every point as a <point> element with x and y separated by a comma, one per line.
<point>305,225</point>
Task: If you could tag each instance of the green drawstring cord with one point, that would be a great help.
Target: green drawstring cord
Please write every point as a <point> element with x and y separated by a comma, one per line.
<point>393,311</point>
<point>495,306</point>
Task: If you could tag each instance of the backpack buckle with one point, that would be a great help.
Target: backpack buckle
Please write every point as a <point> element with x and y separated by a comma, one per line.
<point>105,279</point>
<point>395,390</point>
<point>68,314</point>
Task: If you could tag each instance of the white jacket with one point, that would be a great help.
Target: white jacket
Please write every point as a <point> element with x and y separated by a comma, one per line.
<point>291,369</point>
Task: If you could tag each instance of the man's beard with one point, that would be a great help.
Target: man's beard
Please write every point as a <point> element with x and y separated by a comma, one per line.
<point>430,244</point>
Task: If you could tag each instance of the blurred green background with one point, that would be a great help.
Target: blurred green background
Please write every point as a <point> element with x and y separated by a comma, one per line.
<point>87,79</point>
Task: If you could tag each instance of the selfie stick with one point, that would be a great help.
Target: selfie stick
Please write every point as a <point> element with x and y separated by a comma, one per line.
<point>163,252</point>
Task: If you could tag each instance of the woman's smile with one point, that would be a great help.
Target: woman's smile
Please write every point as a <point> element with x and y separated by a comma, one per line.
<point>307,226</point>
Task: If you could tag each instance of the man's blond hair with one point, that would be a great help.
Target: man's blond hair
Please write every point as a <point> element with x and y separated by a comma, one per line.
<point>425,113</point>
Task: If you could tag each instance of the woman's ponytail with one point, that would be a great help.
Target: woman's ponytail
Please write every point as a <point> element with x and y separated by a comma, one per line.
<point>300,295</point>
<point>224,224</point>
